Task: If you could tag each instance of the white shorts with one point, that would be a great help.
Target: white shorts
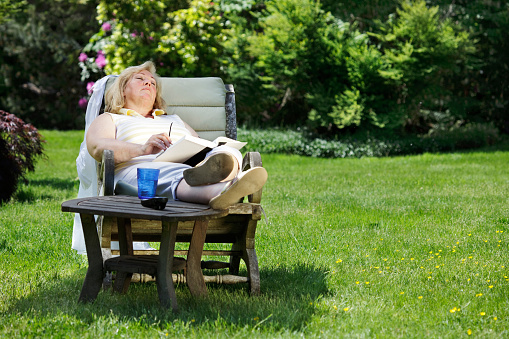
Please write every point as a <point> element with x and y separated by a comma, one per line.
<point>170,173</point>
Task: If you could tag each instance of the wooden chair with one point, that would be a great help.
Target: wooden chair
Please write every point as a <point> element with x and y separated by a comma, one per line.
<point>208,106</point>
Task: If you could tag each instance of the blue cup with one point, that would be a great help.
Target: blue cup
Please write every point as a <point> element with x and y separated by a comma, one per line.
<point>147,182</point>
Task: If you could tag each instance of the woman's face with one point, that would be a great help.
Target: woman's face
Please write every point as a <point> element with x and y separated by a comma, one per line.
<point>140,89</point>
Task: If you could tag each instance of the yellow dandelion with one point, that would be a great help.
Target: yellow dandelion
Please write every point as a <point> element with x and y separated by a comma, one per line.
<point>419,297</point>
<point>482,313</point>
<point>491,286</point>
<point>338,261</point>
<point>478,294</point>
<point>469,332</point>
<point>367,282</point>
<point>345,309</point>
<point>401,292</point>
<point>335,307</point>
<point>357,282</point>
<point>495,318</point>
<point>452,310</point>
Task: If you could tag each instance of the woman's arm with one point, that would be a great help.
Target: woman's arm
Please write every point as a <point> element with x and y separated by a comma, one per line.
<point>101,136</point>
<point>190,129</point>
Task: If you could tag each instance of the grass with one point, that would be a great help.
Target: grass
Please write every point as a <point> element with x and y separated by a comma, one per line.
<point>412,246</point>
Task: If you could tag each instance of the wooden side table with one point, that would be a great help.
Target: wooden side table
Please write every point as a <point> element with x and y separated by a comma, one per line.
<point>125,208</point>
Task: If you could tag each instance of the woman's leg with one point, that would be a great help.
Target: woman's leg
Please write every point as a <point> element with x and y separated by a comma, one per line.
<point>224,194</point>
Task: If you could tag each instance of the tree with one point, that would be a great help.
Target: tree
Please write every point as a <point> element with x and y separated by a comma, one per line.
<point>39,75</point>
<point>424,55</point>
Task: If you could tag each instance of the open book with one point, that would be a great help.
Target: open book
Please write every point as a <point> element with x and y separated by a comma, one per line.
<point>191,150</point>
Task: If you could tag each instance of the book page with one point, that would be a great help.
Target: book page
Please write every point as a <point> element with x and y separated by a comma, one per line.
<point>229,142</point>
<point>184,148</point>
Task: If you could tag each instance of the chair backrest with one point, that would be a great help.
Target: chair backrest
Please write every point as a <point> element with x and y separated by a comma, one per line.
<point>200,102</point>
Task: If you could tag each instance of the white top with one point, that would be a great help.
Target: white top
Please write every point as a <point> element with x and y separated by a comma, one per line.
<point>139,129</point>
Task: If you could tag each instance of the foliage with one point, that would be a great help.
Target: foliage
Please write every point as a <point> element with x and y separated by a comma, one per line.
<point>301,59</point>
<point>329,73</point>
<point>181,38</point>
<point>302,142</point>
<point>9,7</point>
<point>39,75</point>
<point>488,22</point>
<point>421,54</point>
<point>20,145</point>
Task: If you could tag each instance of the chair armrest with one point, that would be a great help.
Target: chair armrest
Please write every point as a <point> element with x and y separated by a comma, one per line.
<point>106,174</point>
<point>251,160</point>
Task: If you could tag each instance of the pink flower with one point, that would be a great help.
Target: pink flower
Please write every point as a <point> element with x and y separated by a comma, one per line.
<point>83,102</point>
<point>106,27</point>
<point>100,61</point>
<point>89,87</point>
<point>133,34</point>
<point>82,57</point>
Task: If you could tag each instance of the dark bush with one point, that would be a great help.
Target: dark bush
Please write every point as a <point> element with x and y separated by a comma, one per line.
<point>20,145</point>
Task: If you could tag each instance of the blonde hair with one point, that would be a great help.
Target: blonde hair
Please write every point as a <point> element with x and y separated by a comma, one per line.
<point>114,98</point>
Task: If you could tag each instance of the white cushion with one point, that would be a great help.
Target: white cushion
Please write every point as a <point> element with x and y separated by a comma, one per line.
<point>200,102</point>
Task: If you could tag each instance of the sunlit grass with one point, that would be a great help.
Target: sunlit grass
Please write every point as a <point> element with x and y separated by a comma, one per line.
<point>374,247</point>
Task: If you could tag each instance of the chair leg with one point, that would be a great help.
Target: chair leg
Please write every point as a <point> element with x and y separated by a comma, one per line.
<point>252,271</point>
<point>235,259</point>
<point>122,282</point>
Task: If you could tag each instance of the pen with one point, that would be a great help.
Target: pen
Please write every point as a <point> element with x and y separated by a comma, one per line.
<point>169,133</point>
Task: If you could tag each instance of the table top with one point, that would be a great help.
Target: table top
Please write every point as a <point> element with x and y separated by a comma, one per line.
<point>124,206</point>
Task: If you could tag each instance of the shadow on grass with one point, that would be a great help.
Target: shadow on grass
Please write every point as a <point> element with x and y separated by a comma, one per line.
<point>287,302</point>
<point>36,189</point>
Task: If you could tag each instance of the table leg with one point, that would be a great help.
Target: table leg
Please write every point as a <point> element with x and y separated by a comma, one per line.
<point>165,287</point>
<point>125,242</point>
<point>95,273</point>
<point>194,275</point>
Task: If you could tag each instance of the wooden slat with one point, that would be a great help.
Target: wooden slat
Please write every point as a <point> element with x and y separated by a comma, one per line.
<point>129,207</point>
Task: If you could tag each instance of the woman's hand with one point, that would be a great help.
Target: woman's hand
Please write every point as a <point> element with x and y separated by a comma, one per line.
<point>156,143</point>
<point>101,135</point>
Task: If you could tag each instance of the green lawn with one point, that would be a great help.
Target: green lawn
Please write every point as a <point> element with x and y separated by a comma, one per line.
<point>411,246</point>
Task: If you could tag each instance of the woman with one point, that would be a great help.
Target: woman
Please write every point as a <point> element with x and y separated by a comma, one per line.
<point>136,128</point>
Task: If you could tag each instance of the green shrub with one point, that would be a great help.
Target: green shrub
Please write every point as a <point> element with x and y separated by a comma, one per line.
<point>422,54</point>
<point>39,74</point>
<point>300,142</point>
